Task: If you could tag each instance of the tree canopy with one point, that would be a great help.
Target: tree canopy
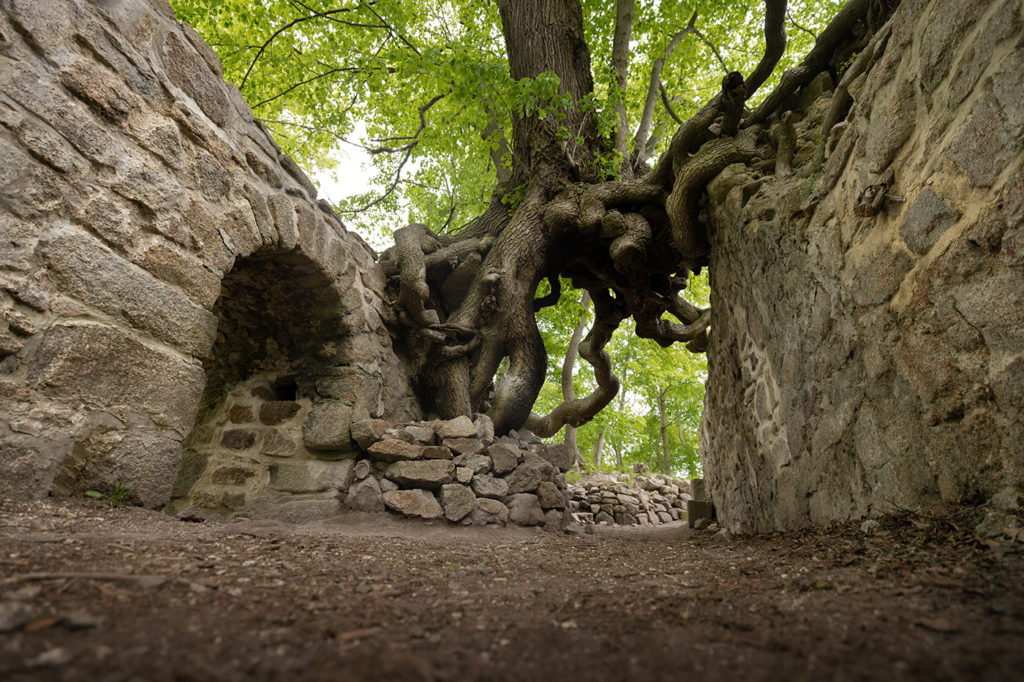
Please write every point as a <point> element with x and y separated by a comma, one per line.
<point>317,72</point>
<point>532,143</point>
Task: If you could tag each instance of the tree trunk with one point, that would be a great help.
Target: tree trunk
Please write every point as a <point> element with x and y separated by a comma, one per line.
<point>567,371</point>
<point>666,457</point>
<point>599,451</point>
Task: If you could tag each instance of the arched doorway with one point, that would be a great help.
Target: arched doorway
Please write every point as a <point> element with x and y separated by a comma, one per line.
<point>272,434</point>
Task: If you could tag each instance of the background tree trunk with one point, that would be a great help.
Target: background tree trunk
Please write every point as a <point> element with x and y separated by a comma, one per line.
<point>599,450</point>
<point>666,461</point>
<point>567,371</point>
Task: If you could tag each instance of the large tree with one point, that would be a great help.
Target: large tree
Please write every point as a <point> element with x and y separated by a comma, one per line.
<point>573,190</point>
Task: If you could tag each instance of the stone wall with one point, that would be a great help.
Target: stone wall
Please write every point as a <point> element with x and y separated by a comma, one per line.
<point>455,470</point>
<point>867,351</point>
<point>628,499</point>
<point>162,259</point>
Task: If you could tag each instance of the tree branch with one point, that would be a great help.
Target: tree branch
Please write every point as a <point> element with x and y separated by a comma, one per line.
<point>714,49</point>
<point>800,27</point>
<point>774,44</point>
<point>620,63</point>
<point>643,130</point>
<point>668,105</point>
<point>839,30</point>
<point>294,22</point>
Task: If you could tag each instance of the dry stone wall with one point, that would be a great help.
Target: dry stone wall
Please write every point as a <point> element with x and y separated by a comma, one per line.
<point>867,348</point>
<point>454,470</point>
<point>162,259</point>
<point>628,500</point>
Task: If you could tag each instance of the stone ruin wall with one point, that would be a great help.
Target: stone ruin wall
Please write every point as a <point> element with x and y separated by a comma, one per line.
<point>168,281</point>
<point>867,351</point>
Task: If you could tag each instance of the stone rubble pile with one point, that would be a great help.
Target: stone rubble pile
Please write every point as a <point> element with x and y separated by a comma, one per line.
<point>459,471</point>
<point>628,500</point>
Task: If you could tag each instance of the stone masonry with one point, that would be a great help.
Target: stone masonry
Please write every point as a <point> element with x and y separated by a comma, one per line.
<point>160,258</point>
<point>867,351</point>
<point>454,470</point>
<point>628,500</point>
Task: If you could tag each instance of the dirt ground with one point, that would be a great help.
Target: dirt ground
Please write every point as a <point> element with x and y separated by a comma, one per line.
<point>93,593</point>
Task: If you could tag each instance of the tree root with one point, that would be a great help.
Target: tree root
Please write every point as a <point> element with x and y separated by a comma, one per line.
<point>578,411</point>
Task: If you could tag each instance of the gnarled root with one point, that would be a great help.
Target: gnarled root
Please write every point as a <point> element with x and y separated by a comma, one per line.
<point>608,314</point>
<point>683,203</point>
<point>411,244</point>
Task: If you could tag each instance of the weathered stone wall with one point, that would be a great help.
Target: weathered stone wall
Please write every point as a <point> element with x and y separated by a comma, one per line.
<point>159,255</point>
<point>628,499</point>
<point>454,470</point>
<point>867,350</point>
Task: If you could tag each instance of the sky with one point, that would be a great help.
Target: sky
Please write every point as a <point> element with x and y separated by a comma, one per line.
<point>350,176</point>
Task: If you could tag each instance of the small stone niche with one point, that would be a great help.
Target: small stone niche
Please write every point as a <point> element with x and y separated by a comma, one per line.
<point>279,331</point>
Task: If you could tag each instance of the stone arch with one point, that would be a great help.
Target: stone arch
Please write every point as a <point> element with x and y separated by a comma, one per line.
<point>272,432</point>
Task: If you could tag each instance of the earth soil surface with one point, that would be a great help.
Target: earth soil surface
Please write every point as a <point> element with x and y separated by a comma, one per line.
<point>88,592</point>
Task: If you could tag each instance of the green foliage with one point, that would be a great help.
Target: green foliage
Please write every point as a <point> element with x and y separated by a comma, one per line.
<point>120,496</point>
<point>320,73</point>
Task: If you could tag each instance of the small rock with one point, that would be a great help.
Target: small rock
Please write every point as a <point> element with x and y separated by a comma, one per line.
<point>366,432</point>
<point>505,458</point>
<point>431,473</point>
<point>238,439</point>
<point>53,657</point>
<point>14,615</point>
<point>240,414</point>
<point>527,437</point>
<point>701,524</point>
<point>524,510</point>
<point>724,535</point>
<point>484,427</point>
<point>458,501</point>
<point>361,470</point>
<point>419,503</point>
<point>550,496</point>
<point>412,433</point>
<point>365,496</point>
<point>460,427</point>
<point>480,464</point>
<point>464,446</point>
<point>558,454</point>
<point>869,527</point>
<point>485,485</point>
<point>81,620</point>
<point>994,524</point>
<point>191,515</point>
<point>436,452</point>
<point>489,511</point>
<point>276,411</point>
<point>697,489</point>
<point>393,450</point>
<point>528,475</point>
<point>463,475</point>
